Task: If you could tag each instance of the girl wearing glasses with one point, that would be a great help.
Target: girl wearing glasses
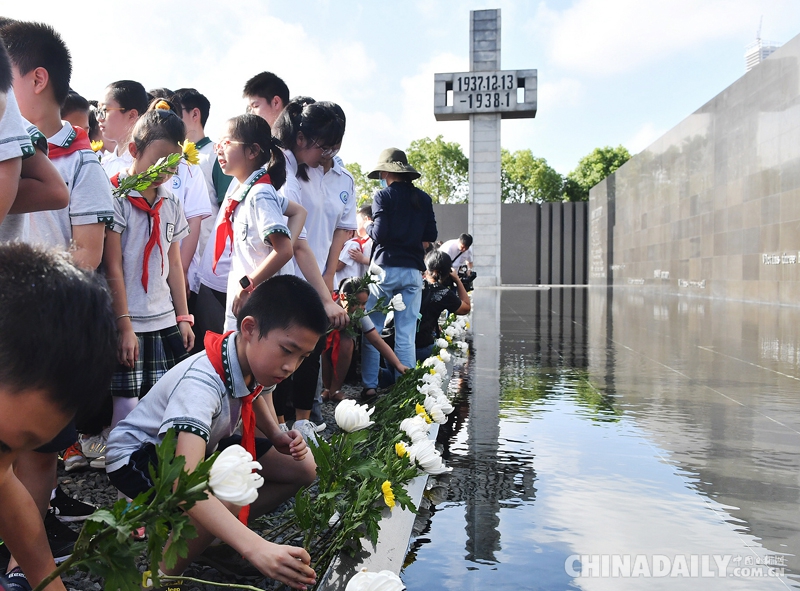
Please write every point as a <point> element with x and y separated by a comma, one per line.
<point>253,224</point>
<point>123,102</point>
<point>311,133</point>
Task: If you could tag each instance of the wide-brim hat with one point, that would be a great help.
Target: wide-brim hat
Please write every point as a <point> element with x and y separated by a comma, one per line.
<point>393,160</point>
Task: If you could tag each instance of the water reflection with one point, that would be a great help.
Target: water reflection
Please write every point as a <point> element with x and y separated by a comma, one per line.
<point>594,422</point>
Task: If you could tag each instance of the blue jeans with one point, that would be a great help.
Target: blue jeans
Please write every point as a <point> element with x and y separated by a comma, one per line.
<point>391,281</point>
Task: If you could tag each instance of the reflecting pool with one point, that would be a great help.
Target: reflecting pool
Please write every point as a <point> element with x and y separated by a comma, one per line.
<point>619,440</point>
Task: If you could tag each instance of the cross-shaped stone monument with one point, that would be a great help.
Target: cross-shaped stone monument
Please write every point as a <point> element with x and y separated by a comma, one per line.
<point>485,95</point>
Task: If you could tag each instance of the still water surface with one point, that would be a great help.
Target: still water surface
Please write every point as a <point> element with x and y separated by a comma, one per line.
<point>602,433</point>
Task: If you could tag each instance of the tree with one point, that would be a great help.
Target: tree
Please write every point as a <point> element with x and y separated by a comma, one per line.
<point>444,169</point>
<point>527,179</point>
<point>365,188</point>
<point>592,169</point>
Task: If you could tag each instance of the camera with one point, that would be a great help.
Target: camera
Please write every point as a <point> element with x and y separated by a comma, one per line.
<point>467,277</point>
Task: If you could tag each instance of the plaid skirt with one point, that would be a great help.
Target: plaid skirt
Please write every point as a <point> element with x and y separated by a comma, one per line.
<point>159,351</point>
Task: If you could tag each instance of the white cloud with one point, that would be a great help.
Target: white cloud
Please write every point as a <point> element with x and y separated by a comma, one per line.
<point>612,36</point>
<point>643,137</point>
<point>217,57</point>
<point>566,92</point>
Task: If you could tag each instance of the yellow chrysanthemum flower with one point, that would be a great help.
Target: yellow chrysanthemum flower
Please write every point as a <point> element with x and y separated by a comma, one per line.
<point>190,152</point>
<point>97,145</point>
<point>432,371</point>
<point>448,338</point>
<point>423,413</point>
<point>388,494</point>
<point>466,325</point>
<point>400,449</point>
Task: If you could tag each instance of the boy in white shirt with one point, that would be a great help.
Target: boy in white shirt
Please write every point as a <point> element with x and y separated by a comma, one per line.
<point>41,68</point>
<point>356,252</point>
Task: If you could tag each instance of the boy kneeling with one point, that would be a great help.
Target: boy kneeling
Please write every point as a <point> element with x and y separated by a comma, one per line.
<point>205,397</point>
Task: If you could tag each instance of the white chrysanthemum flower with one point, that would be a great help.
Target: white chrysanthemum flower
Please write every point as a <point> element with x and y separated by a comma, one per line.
<point>232,478</point>
<point>397,302</point>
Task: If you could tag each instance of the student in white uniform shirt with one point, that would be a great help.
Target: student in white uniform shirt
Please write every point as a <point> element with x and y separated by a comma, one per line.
<point>42,68</point>
<point>28,180</point>
<point>354,258</point>
<point>117,114</point>
<point>142,261</point>
<point>123,103</point>
<point>266,95</point>
<point>80,226</point>
<point>312,133</point>
<point>253,217</point>
<point>188,185</point>
<point>195,109</point>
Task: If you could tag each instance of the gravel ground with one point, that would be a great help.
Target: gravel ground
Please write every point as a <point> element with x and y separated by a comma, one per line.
<point>92,486</point>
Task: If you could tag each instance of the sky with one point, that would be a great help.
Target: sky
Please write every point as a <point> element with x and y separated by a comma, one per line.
<point>610,72</point>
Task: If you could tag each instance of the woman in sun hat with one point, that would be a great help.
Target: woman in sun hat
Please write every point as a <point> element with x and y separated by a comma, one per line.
<point>402,225</point>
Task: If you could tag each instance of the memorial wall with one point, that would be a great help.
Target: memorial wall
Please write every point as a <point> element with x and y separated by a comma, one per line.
<point>712,208</point>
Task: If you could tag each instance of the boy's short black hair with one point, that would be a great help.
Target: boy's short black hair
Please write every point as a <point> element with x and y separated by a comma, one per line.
<point>466,240</point>
<point>267,85</point>
<point>191,99</point>
<point>284,301</point>
<point>37,45</point>
<point>73,103</point>
<point>366,210</point>
<point>6,77</point>
<point>57,329</point>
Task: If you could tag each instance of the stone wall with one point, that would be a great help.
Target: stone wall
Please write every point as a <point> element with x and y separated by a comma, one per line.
<point>712,208</point>
<point>540,244</point>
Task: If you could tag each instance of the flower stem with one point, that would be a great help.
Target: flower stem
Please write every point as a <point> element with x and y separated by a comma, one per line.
<point>204,582</point>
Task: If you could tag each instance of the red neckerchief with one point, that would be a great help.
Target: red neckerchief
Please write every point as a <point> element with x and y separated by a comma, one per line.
<point>141,204</point>
<point>333,339</point>
<point>79,141</point>
<point>332,342</point>
<point>361,241</point>
<point>225,228</point>
<point>217,355</point>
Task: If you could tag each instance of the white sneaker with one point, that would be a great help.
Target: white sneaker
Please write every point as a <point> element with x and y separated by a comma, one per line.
<point>307,429</point>
<point>98,463</point>
<point>94,446</point>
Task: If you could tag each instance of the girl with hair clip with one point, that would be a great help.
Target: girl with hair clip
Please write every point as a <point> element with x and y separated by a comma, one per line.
<point>117,115</point>
<point>339,346</point>
<point>442,290</point>
<point>261,240</point>
<point>311,133</point>
<point>143,268</point>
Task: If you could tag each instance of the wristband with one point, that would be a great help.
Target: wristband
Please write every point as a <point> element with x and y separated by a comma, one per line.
<point>186,318</point>
<point>247,284</point>
<point>123,316</point>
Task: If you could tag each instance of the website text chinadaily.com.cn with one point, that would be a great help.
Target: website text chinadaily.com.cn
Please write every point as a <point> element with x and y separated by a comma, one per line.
<point>677,565</point>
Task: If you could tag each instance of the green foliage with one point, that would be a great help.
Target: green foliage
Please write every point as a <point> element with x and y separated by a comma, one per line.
<point>525,178</point>
<point>365,188</point>
<point>140,182</point>
<point>351,469</point>
<point>592,169</point>
<point>105,547</point>
<point>444,169</point>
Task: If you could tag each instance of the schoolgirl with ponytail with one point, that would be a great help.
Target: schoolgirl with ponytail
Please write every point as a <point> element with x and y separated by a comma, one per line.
<point>253,224</point>
<point>312,133</point>
<point>143,267</point>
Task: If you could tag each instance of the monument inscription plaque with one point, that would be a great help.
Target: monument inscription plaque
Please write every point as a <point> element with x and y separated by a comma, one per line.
<point>485,95</point>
